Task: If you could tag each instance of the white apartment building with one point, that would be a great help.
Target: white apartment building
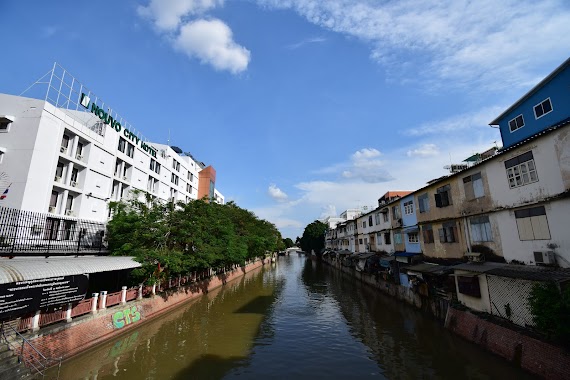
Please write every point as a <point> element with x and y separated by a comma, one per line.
<point>69,157</point>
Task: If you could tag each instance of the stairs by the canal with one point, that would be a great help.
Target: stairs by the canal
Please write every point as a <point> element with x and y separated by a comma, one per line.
<point>10,366</point>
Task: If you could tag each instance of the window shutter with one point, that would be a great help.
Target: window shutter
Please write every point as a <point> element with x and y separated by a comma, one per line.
<point>438,200</point>
<point>441,235</point>
<point>469,192</point>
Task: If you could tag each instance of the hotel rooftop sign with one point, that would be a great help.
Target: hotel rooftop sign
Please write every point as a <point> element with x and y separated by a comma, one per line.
<point>108,119</point>
<point>67,93</point>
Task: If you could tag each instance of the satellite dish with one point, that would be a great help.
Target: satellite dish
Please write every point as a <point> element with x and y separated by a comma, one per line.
<point>176,149</point>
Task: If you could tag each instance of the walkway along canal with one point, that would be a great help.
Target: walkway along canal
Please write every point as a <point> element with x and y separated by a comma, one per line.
<point>298,318</point>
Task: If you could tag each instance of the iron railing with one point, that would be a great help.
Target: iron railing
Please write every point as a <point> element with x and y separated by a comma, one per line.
<point>27,353</point>
<point>27,233</point>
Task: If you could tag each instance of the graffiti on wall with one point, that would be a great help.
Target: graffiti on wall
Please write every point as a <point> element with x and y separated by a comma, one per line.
<point>126,317</point>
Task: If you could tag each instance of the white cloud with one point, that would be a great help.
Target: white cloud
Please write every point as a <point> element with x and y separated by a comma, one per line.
<point>167,15</point>
<point>471,121</point>
<point>306,41</point>
<point>276,193</point>
<point>424,150</point>
<point>485,43</point>
<point>365,167</point>
<point>211,41</point>
<point>328,210</point>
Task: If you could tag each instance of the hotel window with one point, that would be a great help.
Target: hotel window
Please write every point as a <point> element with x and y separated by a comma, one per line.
<point>74,174</point>
<point>516,123</point>
<point>532,223</point>
<point>427,234</point>
<point>364,224</point>
<point>188,188</point>
<point>154,166</point>
<point>176,165</point>
<point>543,108</point>
<point>117,168</point>
<point>448,234</point>
<point>173,193</point>
<point>413,237</point>
<point>423,203</point>
<point>174,179</point>
<point>149,184</point>
<point>377,218</point>
<point>473,186</point>
<point>370,221</point>
<point>190,177</point>
<point>443,196</point>
<point>122,145</point>
<point>5,126</point>
<point>130,150</point>
<point>387,238</point>
<point>1,156</point>
<point>53,199</point>
<point>481,229</point>
<point>65,143</point>
<point>409,207</point>
<point>79,152</point>
<point>359,241</point>
<point>386,216</point>
<point>68,204</point>
<point>59,172</point>
<point>521,170</point>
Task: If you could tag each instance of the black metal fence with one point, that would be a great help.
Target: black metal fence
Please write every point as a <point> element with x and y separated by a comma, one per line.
<point>26,233</point>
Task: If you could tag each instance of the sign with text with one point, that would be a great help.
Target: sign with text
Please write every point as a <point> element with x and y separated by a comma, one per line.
<point>23,297</point>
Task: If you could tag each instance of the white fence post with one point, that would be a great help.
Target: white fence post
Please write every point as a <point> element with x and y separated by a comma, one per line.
<point>103,299</point>
<point>68,313</point>
<point>124,295</point>
<point>94,304</point>
<point>36,321</point>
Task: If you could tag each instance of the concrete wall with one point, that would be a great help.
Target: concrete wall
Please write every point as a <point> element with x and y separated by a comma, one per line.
<point>538,357</point>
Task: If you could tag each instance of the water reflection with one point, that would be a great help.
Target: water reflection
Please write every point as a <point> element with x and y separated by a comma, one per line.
<point>300,319</point>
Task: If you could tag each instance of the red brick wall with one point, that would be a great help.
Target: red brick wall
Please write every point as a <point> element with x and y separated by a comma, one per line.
<point>538,357</point>
<point>87,331</point>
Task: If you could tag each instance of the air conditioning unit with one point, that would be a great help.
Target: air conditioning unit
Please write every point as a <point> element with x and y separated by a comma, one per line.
<point>69,212</point>
<point>62,149</point>
<point>79,157</point>
<point>544,257</point>
<point>57,179</point>
<point>52,209</point>
<point>73,183</point>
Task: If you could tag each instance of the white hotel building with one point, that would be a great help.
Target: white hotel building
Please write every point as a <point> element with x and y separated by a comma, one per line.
<point>66,156</point>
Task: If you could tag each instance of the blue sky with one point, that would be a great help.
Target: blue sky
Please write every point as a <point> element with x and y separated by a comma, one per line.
<point>304,107</point>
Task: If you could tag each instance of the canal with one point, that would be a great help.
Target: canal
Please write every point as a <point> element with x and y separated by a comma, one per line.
<point>294,319</point>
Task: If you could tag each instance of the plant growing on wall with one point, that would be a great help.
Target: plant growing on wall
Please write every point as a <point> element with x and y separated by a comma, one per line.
<point>551,310</point>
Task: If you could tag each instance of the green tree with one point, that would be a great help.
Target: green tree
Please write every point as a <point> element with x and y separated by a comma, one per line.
<point>551,310</point>
<point>313,238</point>
<point>170,239</point>
<point>288,242</point>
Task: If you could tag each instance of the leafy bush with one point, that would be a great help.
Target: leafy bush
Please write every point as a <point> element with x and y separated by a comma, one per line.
<point>551,310</point>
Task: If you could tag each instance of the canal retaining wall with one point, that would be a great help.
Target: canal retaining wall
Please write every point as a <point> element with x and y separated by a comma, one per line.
<point>538,357</point>
<point>67,339</point>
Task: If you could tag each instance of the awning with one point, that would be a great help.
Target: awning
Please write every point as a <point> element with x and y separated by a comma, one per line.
<point>407,230</point>
<point>34,268</point>
<point>406,254</point>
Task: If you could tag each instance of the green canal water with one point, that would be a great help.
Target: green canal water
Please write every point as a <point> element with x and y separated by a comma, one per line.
<point>295,319</point>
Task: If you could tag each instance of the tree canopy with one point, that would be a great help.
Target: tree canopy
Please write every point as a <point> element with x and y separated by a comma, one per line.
<point>288,242</point>
<point>313,238</point>
<point>185,237</point>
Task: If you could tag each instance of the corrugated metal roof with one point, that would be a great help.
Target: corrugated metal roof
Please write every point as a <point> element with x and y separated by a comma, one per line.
<point>33,268</point>
<point>524,272</point>
<point>430,268</point>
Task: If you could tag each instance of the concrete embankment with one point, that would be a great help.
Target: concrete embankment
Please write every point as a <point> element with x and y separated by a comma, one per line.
<point>68,339</point>
<point>514,344</point>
